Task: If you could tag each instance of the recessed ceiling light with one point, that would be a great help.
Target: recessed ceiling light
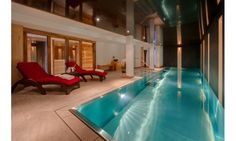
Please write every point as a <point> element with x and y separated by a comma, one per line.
<point>98,19</point>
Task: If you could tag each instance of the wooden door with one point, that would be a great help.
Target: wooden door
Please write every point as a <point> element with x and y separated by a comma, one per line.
<point>87,55</point>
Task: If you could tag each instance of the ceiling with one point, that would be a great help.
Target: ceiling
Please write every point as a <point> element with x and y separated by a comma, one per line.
<point>166,9</point>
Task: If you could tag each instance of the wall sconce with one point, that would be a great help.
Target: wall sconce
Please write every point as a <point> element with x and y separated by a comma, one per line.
<point>179,35</point>
<point>179,67</point>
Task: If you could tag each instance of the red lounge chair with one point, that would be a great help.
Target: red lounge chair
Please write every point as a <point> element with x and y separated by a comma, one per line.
<point>34,75</point>
<point>80,72</point>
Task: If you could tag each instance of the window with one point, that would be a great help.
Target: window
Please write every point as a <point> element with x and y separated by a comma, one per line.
<point>37,49</point>
<point>52,51</point>
<point>74,51</point>
<point>57,55</point>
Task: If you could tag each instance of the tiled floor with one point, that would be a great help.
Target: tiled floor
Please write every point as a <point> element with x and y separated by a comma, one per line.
<point>37,117</point>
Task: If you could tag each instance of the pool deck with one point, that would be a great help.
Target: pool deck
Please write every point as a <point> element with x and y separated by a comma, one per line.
<point>37,117</point>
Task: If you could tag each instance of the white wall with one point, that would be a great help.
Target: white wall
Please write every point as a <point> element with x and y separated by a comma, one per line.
<point>159,47</point>
<point>138,32</point>
<point>106,23</point>
<point>106,50</point>
<point>137,56</point>
<point>137,52</point>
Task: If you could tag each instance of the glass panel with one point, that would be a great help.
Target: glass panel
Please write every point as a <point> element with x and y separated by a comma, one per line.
<point>37,49</point>
<point>74,53</point>
<point>57,55</point>
<point>87,55</point>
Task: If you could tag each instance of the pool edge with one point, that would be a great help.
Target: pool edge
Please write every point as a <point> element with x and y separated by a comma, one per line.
<point>100,132</point>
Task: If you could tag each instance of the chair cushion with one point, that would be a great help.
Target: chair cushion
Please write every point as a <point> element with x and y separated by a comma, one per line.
<point>100,73</point>
<point>85,72</point>
<point>70,64</point>
<point>31,70</point>
<point>73,64</point>
<point>58,80</point>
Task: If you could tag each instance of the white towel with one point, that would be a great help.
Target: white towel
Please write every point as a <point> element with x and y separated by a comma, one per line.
<point>99,70</point>
<point>66,76</point>
<point>70,69</point>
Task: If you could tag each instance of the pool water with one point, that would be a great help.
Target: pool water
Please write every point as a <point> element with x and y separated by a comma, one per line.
<point>154,109</point>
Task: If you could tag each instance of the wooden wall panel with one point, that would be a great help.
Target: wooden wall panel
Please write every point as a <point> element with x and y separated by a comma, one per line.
<point>87,56</point>
<point>17,50</point>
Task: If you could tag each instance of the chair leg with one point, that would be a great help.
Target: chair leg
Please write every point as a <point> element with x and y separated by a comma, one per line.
<point>27,83</point>
<point>91,76</point>
<point>41,89</point>
<point>85,80</point>
<point>67,90</point>
<point>101,78</point>
<point>15,85</point>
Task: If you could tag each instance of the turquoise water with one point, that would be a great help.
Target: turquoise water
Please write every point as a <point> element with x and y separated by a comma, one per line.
<point>154,109</point>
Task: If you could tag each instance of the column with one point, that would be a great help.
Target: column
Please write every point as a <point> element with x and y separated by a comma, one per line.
<point>151,41</point>
<point>129,38</point>
<point>159,46</point>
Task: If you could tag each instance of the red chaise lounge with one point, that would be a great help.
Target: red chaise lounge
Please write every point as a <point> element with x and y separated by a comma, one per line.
<point>80,72</point>
<point>34,75</point>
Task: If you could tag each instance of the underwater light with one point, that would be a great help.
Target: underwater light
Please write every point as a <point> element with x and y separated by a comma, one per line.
<point>122,95</point>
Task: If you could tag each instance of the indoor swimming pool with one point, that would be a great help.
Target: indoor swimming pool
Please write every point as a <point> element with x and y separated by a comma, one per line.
<point>155,109</point>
